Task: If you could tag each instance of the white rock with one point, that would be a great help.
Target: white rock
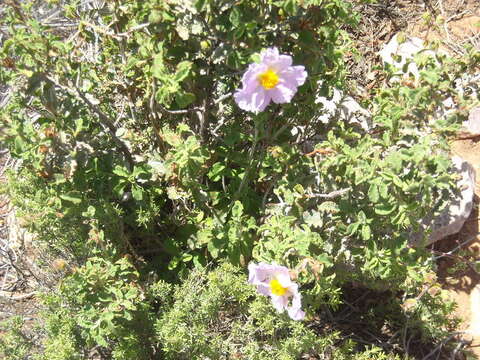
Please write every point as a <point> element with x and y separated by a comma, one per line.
<point>341,107</point>
<point>472,125</point>
<point>406,51</point>
<point>452,218</point>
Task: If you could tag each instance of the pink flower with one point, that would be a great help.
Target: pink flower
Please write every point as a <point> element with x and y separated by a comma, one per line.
<point>274,281</point>
<point>273,79</point>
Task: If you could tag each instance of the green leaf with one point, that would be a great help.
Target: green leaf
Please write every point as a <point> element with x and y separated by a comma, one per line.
<point>385,209</point>
<point>187,257</point>
<point>328,207</point>
<point>158,68</point>
<point>18,145</point>
<point>313,218</point>
<point>155,17</point>
<point>173,263</point>
<point>362,218</point>
<point>183,99</point>
<point>383,189</point>
<point>119,188</point>
<point>183,70</point>
<point>238,33</point>
<point>324,259</point>
<point>216,171</point>
<point>237,210</point>
<point>200,4</point>
<point>120,171</point>
<point>214,247</point>
<point>235,17</point>
<point>366,232</point>
<point>73,199</point>
<point>307,37</point>
<point>430,76</point>
<point>373,193</point>
<point>290,7</point>
<point>137,193</point>
<point>352,228</point>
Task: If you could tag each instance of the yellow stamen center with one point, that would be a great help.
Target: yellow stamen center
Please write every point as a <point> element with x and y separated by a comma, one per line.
<point>269,79</point>
<point>277,288</point>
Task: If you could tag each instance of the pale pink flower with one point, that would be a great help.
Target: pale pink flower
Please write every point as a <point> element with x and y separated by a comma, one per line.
<point>274,78</point>
<point>274,280</point>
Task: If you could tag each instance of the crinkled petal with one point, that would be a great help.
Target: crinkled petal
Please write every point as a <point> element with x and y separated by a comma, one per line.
<point>254,100</point>
<point>294,311</point>
<point>269,56</point>
<point>264,290</point>
<point>273,60</point>
<point>279,302</point>
<point>250,78</point>
<point>284,279</point>
<point>283,92</point>
<point>258,273</point>
<point>262,273</point>
<point>281,64</point>
<point>294,75</point>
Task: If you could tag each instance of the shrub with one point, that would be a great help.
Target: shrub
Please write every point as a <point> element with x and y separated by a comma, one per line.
<point>216,315</point>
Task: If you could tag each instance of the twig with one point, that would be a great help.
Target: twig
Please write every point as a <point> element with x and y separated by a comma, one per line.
<point>331,195</point>
<point>135,28</point>
<point>18,297</point>
<point>109,32</point>
<point>459,258</point>
<point>221,98</point>
<point>175,112</point>
<point>442,344</point>
<point>470,239</point>
<point>107,123</point>
<point>104,120</point>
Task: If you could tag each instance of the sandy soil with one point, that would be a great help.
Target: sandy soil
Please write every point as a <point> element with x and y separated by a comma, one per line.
<point>464,284</point>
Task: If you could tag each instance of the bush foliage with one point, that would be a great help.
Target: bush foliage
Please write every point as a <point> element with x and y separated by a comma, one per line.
<point>140,170</point>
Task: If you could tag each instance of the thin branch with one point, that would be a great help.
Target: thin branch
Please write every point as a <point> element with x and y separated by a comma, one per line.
<point>104,120</point>
<point>176,112</point>
<point>18,297</point>
<point>109,125</point>
<point>470,239</point>
<point>109,32</point>
<point>331,195</point>
<point>221,98</point>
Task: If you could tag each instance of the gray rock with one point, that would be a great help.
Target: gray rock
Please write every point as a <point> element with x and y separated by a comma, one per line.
<point>343,107</point>
<point>398,52</point>
<point>472,125</point>
<point>452,218</point>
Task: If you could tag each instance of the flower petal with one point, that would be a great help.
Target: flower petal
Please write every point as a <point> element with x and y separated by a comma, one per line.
<point>294,75</point>
<point>258,274</point>
<point>269,56</point>
<point>254,100</point>
<point>264,290</point>
<point>294,311</point>
<point>283,92</point>
<point>284,280</point>
<point>273,60</point>
<point>250,78</point>
<point>279,302</point>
